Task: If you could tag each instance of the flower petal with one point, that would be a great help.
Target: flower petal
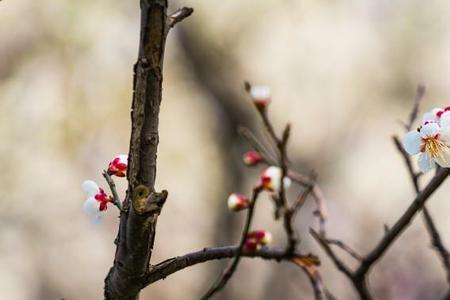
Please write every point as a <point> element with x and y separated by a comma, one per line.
<point>91,206</point>
<point>412,142</point>
<point>424,162</point>
<point>444,134</point>
<point>445,119</point>
<point>97,218</point>
<point>90,187</point>
<point>260,92</point>
<point>429,130</point>
<point>443,159</point>
<point>429,116</point>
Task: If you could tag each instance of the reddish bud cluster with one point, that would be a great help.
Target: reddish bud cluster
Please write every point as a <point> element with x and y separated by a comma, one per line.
<point>257,239</point>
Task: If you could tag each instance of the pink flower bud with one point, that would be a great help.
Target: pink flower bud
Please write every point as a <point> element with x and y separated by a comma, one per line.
<point>261,96</point>
<point>238,202</point>
<point>118,166</point>
<point>262,237</point>
<point>271,178</point>
<point>256,239</point>
<point>252,158</point>
<point>250,245</point>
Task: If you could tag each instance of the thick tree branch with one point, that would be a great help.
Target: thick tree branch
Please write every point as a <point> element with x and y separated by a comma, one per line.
<point>142,204</point>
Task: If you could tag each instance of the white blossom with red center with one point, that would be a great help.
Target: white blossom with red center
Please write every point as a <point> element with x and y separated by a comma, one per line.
<point>118,166</point>
<point>270,179</point>
<point>432,142</point>
<point>252,158</point>
<point>257,239</point>
<point>237,201</point>
<point>96,204</point>
<point>261,96</point>
<point>438,115</point>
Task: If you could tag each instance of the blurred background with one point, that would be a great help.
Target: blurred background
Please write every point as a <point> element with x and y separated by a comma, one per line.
<point>342,72</point>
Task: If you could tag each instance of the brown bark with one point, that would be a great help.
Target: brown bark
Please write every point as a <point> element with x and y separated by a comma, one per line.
<point>142,205</point>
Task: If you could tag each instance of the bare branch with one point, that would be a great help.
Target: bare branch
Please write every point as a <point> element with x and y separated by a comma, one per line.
<point>336,260</point>
<point>436,239</point>
<point>403,222</point>
<point>172,265</point>
<point>226,275</point>
<point>179,15</point>
<point>112,187</point>
<point>139,216</point>
<point>345,247</point>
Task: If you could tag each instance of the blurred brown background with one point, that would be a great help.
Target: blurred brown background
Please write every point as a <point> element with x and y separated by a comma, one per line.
<point>343,72</point>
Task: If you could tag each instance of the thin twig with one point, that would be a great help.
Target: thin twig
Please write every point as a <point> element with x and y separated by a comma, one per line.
<point>336,260</point>
<point>226,275</point>
<point>112,187</point>
<point>345,247</point>
<point>257,145</point>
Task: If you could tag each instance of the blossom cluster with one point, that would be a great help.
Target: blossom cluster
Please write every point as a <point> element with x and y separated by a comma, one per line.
<point>270,179</point>
<point>431,140</point>
<point>97,201</point>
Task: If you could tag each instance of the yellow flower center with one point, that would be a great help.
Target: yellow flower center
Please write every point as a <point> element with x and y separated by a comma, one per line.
<point>435,147</point>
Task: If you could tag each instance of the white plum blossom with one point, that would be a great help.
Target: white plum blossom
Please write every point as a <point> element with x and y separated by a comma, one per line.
<point>271,179</point>
<point>96,204</point>
<point>432,142</point>
<point>261,96</point>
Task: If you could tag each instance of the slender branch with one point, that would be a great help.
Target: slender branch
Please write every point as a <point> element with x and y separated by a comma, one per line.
<point>258,146</point>
<point>289,216</point>
<point>436,239</point>
<point>336,260</point>
<point>345,247</point>
<point>403,222</point>
<point>172,265</point>
<point>226,275</point>
<point>112,187</point>
<point>316,193</point>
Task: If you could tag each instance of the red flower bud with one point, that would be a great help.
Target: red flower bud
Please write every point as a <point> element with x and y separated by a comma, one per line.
<point>252,158</point>
<point>238,202</point>
<point>118,166</point>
